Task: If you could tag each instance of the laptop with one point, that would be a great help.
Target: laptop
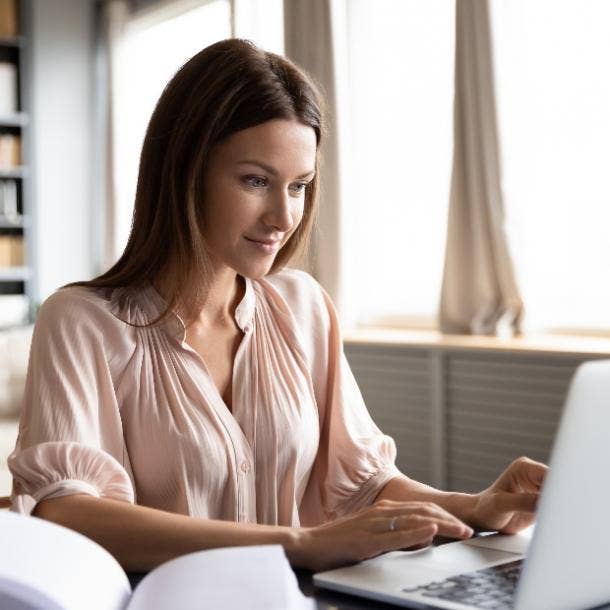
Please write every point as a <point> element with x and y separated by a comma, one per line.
<point>563,564</point>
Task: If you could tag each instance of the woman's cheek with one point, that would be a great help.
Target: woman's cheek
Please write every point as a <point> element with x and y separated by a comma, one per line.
<point>298,213</point>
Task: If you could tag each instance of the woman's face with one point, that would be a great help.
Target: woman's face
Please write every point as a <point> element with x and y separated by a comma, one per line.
<point>255,194</point>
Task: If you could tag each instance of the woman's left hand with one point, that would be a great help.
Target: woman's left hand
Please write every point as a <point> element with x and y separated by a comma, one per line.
<point>509,504</point>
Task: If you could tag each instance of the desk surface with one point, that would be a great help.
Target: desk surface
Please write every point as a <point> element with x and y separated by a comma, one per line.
<point>328,600</point>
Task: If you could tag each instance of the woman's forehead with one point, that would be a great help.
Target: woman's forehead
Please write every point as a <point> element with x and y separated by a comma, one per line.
<point>276,145</point>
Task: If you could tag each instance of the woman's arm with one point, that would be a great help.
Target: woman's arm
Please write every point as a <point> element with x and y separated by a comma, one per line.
<point>141,538</point>
<point>508,505</point>
<point>402,489</point>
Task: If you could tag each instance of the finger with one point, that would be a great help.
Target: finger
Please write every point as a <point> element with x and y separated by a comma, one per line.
<point>415,514</point>
<point>418,547</point>
<point>402,539</point>
<point>453,528</point>
<point>535,474</point>
<point>446,524</point>
<point>517,523</point>
<point>528,473</point>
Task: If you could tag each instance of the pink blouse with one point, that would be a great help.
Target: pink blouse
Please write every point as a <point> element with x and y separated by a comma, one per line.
<point>129,413</point>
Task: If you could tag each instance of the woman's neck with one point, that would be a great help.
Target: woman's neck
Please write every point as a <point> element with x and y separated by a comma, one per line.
<point>223,296</point>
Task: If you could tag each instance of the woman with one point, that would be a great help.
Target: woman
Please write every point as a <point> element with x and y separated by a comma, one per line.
<point>196,394</point>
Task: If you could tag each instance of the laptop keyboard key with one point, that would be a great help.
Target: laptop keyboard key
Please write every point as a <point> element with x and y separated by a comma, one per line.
<point>489,589</point>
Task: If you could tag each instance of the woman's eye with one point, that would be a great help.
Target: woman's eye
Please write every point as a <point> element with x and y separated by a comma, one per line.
<point>255,181</point>
<point>262,182</point>
<point>300,187</point>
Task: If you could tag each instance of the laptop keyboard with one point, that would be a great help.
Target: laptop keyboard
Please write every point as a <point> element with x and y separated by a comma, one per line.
<point>491,588</point>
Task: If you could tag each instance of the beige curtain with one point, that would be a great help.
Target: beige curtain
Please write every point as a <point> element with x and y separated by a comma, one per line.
<point>479,287</point>
<point>114,16</point>
<point>309,42</point>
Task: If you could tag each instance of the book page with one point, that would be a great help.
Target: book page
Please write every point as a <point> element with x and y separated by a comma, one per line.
<point>44,566</point>
<point>253,577</point>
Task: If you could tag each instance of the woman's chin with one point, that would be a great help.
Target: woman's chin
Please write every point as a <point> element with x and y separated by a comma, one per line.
<point>255,272</point>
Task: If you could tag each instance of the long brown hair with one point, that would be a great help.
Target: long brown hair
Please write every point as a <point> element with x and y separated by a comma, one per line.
<point>228,86</point>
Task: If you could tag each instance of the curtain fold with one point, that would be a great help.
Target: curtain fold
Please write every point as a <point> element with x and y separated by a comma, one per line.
<point>479,287</point>
<point>309,42</point>
<point>113,17</point>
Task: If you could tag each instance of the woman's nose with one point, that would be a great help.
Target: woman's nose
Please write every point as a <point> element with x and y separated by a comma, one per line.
<point>279,215</point>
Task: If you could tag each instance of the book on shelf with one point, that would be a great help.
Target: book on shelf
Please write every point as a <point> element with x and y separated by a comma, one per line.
<point>8,19</point>
<point>5,251</point>
<point>11,251</point>
<point>10,150</point>
<point>8,88</point>
<point>44,565</point>
<point>17,251</point>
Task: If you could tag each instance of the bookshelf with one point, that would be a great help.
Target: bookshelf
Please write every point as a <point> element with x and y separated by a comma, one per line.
<point>16,206</point>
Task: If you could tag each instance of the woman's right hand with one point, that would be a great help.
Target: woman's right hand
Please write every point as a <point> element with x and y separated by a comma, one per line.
<point>384,526</point>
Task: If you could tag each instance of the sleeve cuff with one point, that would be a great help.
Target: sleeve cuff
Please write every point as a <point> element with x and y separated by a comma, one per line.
<point>370,490</point>
<point>53,470</point>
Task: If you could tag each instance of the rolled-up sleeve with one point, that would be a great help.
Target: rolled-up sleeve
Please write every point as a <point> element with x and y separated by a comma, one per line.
<point>70,435</point>
<point>355,459</point>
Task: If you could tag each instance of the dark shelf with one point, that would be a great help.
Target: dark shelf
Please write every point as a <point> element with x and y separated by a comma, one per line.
<point>14,42</point>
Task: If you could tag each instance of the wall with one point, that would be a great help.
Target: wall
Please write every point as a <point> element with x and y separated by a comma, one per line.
<point>459,416</point>
<point>61,100</point>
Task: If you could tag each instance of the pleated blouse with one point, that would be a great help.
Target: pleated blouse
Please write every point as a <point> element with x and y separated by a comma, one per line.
<point>116,411</point>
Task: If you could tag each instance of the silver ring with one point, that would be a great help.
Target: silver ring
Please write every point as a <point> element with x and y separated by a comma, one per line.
<point>393,524</point>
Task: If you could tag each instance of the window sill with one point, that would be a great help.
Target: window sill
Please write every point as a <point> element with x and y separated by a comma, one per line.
<point>536,344</point>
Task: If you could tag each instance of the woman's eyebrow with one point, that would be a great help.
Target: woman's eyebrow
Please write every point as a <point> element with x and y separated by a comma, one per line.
<point>271,170</point>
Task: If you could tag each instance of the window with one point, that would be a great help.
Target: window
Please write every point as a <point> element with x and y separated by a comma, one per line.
<point>400,81</point>
<point>553,92</point>
<point>151,53</point>
<point>152,50</point>
<point>261,21</point>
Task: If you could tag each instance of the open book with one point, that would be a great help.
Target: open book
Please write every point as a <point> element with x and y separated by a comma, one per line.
<point>44,566</point>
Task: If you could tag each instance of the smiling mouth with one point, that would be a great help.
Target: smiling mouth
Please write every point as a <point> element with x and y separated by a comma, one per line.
<point>267,247</point>
<point>266,242</point>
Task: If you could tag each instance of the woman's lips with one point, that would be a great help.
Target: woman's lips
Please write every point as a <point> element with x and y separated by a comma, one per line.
<point>268,246</point>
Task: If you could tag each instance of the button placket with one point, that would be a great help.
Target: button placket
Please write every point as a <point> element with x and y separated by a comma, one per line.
<point>245,483</point>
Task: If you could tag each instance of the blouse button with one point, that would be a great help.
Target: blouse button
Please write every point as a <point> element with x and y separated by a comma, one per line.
<point>245,467</point>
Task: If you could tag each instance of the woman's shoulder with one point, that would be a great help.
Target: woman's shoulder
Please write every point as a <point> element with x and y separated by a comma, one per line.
<point>90,318</point>
<point>307,301</point>
<point>79,307</point>
<point>70,298</point>
<point>298,288</point>
<point>296,284</point>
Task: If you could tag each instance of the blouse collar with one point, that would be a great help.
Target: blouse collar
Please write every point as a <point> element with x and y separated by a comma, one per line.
<point>154,304</point>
